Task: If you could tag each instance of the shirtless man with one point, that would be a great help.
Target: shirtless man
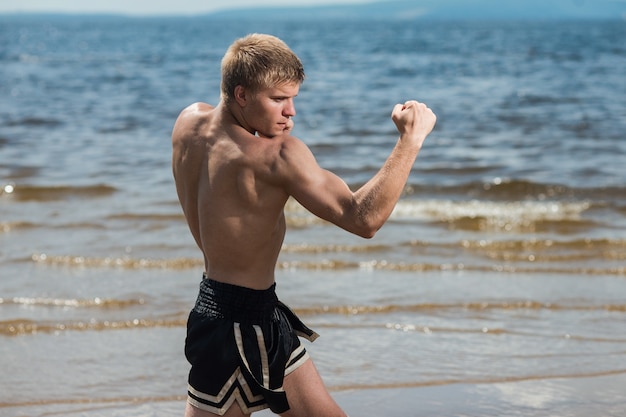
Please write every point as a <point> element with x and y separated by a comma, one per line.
<point>235,166</point>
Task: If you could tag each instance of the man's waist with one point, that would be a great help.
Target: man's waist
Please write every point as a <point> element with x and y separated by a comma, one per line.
<point>223,300</point>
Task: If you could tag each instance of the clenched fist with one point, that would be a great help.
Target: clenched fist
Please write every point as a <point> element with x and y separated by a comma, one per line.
<point>414,121</point>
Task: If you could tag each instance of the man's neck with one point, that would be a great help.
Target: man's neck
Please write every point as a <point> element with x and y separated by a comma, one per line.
<point>231,112</point>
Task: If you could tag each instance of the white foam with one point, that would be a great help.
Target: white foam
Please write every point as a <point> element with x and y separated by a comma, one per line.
<point>446,210</point>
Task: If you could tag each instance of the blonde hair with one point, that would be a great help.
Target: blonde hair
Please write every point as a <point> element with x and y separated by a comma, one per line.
<point>259,61</point>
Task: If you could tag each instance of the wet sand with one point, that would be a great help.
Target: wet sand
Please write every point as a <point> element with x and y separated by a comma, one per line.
<point>581,397</point>
<point>603,396</point>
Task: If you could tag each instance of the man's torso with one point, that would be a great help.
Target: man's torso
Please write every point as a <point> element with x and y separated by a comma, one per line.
<point>234,209</point>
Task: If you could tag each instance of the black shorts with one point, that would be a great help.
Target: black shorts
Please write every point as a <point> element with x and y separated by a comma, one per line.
<point>241,343</point>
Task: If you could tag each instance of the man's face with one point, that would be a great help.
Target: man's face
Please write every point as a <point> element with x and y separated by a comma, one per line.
<point>268,112</point>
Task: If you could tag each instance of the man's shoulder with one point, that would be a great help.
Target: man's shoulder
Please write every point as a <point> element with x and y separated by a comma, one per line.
<point>289,143</point>
<point>293,155</point>
<point>197,109</point>
<point>189,119</point>
<point>291,146</point>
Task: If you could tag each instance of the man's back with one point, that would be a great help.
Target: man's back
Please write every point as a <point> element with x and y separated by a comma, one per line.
<point>223,176</point>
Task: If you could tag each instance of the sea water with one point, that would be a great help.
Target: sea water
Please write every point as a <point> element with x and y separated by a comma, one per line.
<point>504,261</point>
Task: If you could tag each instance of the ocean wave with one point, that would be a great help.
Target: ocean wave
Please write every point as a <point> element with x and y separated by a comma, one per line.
<point>549,250</point>
<point>34,122</point>
<point>531,305</point>
<point>528,263</point>
<point>530,249</point>
<point>147,217</point>
<point>72,302</point>
<point>20,327</point>
<point>61,192</point>
<point>307,248</point>
<point>511,189</point>
<point>22,225</point>
<point>490,215</point>
<point>127,124</point>
<point>17,225</point>
<point>116,262</point>
<point>336,264</point>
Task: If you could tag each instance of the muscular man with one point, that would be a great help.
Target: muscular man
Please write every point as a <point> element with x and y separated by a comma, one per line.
<point>235,166</point>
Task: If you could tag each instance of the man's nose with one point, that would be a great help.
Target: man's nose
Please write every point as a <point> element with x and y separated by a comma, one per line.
<point>290,109</point>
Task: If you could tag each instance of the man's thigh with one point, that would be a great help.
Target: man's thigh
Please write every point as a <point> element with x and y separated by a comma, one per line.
<point>307,394</point>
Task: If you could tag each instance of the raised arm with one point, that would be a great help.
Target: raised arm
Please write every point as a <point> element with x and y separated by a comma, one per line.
<point>364,211</point>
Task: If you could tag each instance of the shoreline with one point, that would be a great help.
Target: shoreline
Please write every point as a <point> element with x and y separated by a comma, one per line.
<point>572,397</point>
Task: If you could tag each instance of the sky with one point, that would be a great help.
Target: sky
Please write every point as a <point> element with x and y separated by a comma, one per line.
<point>150,7</point>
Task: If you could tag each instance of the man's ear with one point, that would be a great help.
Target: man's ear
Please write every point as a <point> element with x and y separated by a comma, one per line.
<point>241,95</point>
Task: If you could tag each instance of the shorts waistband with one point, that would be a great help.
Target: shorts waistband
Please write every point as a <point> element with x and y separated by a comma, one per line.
<point>221,300</point>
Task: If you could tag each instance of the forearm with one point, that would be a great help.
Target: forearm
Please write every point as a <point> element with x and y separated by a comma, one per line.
<point>377,198</point>
<point>374,201</point>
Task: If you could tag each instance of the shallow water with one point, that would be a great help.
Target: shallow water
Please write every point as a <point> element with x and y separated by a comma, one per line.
<point>503,263</point>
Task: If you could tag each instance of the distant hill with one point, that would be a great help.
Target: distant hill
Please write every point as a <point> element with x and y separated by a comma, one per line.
<point>442,9</point>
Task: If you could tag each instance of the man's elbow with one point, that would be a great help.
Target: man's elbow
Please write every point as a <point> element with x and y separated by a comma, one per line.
<point>369,234</point>
<point>365,225</point>
<point>367,230</point>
